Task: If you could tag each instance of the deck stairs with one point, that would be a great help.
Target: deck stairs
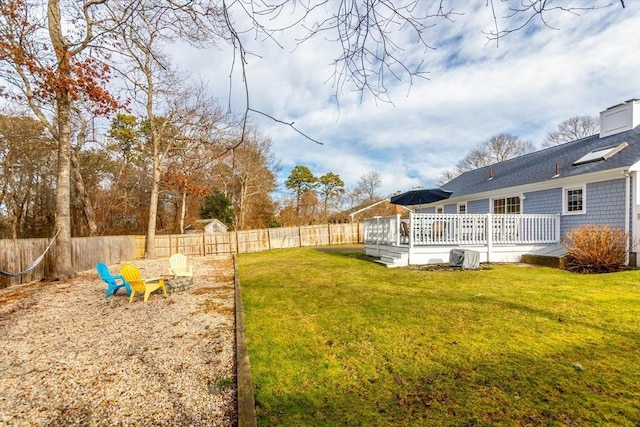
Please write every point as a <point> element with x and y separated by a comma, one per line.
<point>393,258</point>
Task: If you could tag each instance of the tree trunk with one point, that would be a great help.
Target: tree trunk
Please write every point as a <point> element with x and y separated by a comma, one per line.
<point>14,222</point>
<point>242,204</point>
<point>153,211</point>
<point>63,268</point>
<point>87,209</point>
<point>183,210</point>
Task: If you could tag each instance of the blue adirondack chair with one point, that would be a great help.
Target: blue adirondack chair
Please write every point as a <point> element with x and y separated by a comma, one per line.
<point>113,282</point>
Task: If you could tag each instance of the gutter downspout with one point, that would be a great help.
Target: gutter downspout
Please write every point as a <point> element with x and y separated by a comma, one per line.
<point>627,213</point>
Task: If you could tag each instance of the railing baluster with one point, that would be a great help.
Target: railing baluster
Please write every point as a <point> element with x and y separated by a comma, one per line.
<point>464,229</point>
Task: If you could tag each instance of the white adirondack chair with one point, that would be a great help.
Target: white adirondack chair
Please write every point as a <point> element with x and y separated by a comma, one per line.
<point>179,266</point>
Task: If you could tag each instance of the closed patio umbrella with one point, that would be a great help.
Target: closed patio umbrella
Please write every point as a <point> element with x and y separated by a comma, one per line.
<point>420,196</point>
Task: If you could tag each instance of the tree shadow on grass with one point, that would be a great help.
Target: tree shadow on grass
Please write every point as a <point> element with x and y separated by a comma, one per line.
<point>354,252</point>
<point>514,387</point>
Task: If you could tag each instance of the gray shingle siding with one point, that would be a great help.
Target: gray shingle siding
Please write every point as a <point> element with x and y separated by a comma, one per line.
<point>451,208</point>
<point>427,210</point>
<point>478,206</point>
<point>605,205</point>
<point>543,202</point>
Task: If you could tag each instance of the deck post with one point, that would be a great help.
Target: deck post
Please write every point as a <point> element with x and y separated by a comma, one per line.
<point>410,231</point>
<point>489,235</point>
<point>397,229</point>
<point>378,235</point>
<point>410,238</point>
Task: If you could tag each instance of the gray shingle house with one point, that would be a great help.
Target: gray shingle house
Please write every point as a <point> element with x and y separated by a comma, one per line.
<point>593,180</point>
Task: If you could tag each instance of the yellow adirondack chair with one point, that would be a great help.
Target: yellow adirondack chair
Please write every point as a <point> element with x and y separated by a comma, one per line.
<point>179,266</point>
<point>132,275</point>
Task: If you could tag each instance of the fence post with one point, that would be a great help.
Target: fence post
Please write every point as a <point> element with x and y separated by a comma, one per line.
<point>269,238</point>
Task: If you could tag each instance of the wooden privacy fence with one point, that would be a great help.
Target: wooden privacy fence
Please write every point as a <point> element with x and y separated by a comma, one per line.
<point>16,255</point>
<point>253,240</point>
<point>86,252</point>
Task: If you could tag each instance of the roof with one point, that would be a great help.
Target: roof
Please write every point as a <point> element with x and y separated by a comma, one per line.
<point>201,224</point>
<point>369,208</point>
<point>540,166</point>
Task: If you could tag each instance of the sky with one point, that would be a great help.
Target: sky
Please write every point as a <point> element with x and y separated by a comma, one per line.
<point>526,85</point>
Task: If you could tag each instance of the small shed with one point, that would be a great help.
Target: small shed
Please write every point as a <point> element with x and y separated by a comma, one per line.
<point>207,226</point>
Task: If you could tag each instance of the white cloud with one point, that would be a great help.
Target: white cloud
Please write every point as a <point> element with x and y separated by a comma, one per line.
<point>527,85</point>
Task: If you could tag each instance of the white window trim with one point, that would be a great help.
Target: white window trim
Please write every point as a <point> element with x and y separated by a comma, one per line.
<point>565,190</point>
<point>520,196</point>
<point>439,208</point>
<point>465,207</point>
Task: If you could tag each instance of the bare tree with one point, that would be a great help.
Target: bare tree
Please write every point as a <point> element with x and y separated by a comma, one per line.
<point>173,110</point>
<point>576,127</point>
<point>497,149</point>
<point>185,177</point>
<point>373,34</point>
<point>253,174</point>
<point>368,185</point>
<point>81,134</point>
<point>519,15</point>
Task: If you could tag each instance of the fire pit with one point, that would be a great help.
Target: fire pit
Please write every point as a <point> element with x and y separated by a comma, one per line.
<point>177,283</point>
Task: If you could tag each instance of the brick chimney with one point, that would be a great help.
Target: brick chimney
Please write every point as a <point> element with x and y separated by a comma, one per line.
<point>620,118</point>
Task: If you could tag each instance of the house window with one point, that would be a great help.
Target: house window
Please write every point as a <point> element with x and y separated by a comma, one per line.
<point>574,201</point>
<point>462,208</point>
<point>507,205</point>
<point>439,209</point>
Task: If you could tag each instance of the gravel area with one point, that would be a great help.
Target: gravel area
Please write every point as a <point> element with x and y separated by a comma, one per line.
<point>68,356</point>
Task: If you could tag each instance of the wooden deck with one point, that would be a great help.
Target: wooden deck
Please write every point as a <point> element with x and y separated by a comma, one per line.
<point>429,238</point>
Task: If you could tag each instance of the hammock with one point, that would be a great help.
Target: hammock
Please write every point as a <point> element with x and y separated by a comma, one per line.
<point>34,264</point>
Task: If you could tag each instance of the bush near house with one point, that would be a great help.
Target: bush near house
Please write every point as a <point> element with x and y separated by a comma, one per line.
<point>596,249</point>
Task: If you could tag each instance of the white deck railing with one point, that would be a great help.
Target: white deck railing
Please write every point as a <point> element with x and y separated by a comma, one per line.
<point>465,229</point>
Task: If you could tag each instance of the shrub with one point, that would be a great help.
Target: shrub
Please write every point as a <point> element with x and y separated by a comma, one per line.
<point>596,249</point>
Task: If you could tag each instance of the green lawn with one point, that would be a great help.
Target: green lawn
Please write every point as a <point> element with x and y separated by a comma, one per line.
<point>335,339</point>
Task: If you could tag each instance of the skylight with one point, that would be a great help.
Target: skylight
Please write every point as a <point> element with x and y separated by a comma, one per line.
<point>600,154</point>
